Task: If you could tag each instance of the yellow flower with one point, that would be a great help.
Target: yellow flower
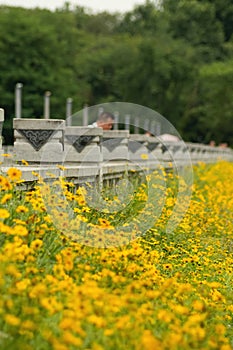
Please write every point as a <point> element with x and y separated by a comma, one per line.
<point>198,305</point>
<point>97,321</point>
<point>70,339</point>
<point>23,284</point>
<point>6,155</point>
<point>167,266</point>
<point>14,174</point>
<point>36,244</point>
<point>165,316</point>
<point>61,167</point>
<point>21,209</point>
<point>105,223</point>
<point>12,320</point>
<point>13,271</point>
<point>108,332</point>
<point>20,230</point>
<point>28,324</point>
<point>4,214</point>
<point>7,186</point>
<point>19,222</point>
<point>6,197</point>
<point>149,342</point>
<point>24,162</point>
<point>144,156</point>
<point>220,329</point>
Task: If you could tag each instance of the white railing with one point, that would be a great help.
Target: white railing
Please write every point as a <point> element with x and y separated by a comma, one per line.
<point>85,154</point>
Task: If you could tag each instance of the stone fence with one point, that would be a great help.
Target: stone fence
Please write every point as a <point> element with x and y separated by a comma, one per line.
<point>84,154</point>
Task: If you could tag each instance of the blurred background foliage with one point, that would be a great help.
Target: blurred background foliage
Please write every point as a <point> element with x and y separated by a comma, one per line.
<point>175,57</point>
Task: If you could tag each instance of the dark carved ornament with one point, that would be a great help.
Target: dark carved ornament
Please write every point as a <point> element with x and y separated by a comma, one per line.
<point>79,142</point>
<point>152,146</point>
<point>37,138</point>
<point>111,144</point>
<point>134,146</point>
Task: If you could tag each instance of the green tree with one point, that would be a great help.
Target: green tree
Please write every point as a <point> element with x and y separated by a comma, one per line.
<point>210,116</point>
<point>196,22</point>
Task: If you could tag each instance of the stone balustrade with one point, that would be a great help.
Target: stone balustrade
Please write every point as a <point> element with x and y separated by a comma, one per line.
<point>39,140</point>
<point>83,145</point>
<point>89,154</point>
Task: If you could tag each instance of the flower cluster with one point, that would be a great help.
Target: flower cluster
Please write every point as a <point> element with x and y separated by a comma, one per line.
<point>168,291</point>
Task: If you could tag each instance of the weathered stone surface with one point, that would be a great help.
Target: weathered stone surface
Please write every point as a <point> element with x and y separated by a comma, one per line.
<point>82,145</point>
<point>138,150</point>
<point>39,140</point>
<point>115,145</point>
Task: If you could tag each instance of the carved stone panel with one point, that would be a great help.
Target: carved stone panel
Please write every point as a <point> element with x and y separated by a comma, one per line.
<point>134,146</point>
<point>37,138</point>
<point>79,142</point>
<point>111,144</point>
<point>152,146</point>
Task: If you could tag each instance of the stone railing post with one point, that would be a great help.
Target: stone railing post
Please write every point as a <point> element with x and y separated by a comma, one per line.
<point>82,154</point>
<point>18,100</point>
<point>115,145</point>
<point>139,154</point>
<point>69,102</point>
<point>47,104</point>
<point>155,153</point>
<point>39,140</point>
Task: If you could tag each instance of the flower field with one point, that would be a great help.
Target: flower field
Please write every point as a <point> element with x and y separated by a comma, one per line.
<point>158,291</point>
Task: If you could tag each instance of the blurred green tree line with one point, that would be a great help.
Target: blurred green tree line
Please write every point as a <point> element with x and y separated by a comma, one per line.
<point>175,57</point>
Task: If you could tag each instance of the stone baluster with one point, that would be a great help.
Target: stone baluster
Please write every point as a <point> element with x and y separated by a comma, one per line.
<point>138,152</point>
<point>39,140</point>
<point>82,154</point>
<point>115,145</point>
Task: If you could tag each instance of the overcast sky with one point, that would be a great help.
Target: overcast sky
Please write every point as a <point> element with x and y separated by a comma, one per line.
<point>95,5</point>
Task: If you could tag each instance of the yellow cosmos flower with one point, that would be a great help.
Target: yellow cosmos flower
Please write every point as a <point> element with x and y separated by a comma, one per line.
<point>21,209</point>
<point>149,342</point>
<point>20,230</point>
<point>5,184</point>
<point>14,174</point>
<point>36,244</point>
<point>61,167</point>
<point>29,325</point>
<point>24,162</point>
<point>4,214</point>
<point>19,222</point>
<point>6,155</point>
<point>103,223</point>
<point>6,198</point>
<point>12,320</point>
<point>144,156</point>
<point>70,339</point>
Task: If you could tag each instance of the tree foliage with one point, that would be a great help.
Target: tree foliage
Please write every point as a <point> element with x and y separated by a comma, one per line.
<point>172,56</point>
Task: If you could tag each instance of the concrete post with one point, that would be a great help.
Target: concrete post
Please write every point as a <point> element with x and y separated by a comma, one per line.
<point>18,100</point>
<point>69,102</point>
<point>127,121</point>
<point>136,125</point>
<point>146,125</point>
<point>100,110</point>
<point>85,115</point>
<point>1,120</point>
<point>116,120</point>
<point>47,104</point>
<point>158,129</point>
